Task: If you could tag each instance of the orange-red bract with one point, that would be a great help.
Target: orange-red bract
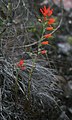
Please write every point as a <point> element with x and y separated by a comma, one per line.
<point>45,43</point>
<point>47,35</point>
<point>46,11</point>
<point>49,28</point>
<point>51,21</point>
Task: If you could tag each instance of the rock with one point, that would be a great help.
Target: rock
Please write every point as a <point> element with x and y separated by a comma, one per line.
<point>64,48</point>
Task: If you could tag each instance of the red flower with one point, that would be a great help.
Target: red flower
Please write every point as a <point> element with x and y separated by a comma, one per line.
<point>21,65</point>
<point>43,52</point>
<point>47,35</point>
<point>51,21</point>
<point>50,12</point>
<point>45,43</point>
<point>46,11</point>
<point>49,28</point>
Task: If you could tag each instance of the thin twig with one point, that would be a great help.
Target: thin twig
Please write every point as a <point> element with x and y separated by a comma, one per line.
<point>17,5</point>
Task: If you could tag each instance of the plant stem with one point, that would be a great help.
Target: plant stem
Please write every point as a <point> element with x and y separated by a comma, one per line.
<point>30,76</point>
<point>41,39</point>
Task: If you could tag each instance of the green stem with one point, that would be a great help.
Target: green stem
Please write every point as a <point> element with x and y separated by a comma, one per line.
<point>30,76</point>
<point>41,39</point>
<point>34,61</point>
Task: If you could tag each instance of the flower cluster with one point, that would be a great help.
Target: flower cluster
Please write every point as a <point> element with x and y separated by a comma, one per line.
<point>48,21</point>
<point>21,65</point>
<point>47,12</point>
